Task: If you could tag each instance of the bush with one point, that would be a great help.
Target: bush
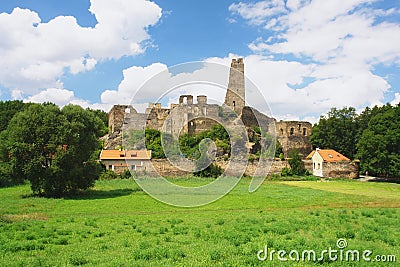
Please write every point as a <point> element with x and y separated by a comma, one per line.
<point>108,175</point>
<point>213,171</point>
<point>286,172</point>
<point>126,175</point>
<point>6,178</point>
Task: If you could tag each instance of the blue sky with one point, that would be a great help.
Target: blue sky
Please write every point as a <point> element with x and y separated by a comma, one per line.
<point>305,56</point>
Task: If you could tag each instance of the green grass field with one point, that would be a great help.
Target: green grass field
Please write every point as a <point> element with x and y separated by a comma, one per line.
<point>117,224</point>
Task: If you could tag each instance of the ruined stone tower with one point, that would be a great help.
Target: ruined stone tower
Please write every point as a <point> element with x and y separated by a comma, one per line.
<point>117,115</point>
<point>235,94</point>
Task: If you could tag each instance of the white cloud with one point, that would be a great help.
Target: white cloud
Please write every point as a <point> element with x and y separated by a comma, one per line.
<point>16,94</point>
<point>62,97</point>
<point>134,78</point>
<point>396,100</point>
<point>57,96</point>
<point>344,40</point>
<point>35,54</point>
<point>257,12</point>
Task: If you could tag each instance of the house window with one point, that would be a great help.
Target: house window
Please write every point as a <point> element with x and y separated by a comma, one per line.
<point>291,131</point>
<point>134,155</point>
<point>304,131</point>
<point>121,155</point>
<point>133,168</point>
<point>110,167</point>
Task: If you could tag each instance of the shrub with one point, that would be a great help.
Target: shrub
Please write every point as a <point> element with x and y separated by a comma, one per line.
<point>213,171</point>
<point>108,175</point>
<point>286,172</point>
<point>126,175</point>
<point>6,178</point>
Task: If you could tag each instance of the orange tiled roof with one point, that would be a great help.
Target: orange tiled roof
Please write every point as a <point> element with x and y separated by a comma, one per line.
<point>310,155</point>
<point>329,155</point>
<point>125,154</point>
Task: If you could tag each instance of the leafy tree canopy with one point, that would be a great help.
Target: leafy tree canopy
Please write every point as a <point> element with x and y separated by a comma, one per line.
<point>53,148</point>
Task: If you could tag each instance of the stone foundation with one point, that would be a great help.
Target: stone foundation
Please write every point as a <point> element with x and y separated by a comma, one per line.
<point>343,169</point>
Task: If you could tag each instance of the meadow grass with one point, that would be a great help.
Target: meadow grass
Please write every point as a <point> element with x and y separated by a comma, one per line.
<point>117,224</point>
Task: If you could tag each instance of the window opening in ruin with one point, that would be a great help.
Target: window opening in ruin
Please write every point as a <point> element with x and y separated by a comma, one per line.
<point>314,165</point>
<point>304,131</point>
<point>184,100</point>
<point>127,110</point>
<point>299,126</point>
<point>281,131</point>
<point>291,131</point>
<point>234,104</point>
<point>319,166</point>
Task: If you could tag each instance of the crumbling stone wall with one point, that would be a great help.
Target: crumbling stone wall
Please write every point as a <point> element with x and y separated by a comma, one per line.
<point>341,169</point>
<point>294,134</point>
<point>252,117</point>
<point>116,117</point>
<point>155,116</point>
<point>165,168</point>
<point>276,166</point>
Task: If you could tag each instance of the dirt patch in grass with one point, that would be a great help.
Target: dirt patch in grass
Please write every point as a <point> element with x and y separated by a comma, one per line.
<point>388,191</point>
<point>23,217</point>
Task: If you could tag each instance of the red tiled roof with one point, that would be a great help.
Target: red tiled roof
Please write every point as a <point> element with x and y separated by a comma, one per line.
<point>125,154</point>
<point>329,155</point>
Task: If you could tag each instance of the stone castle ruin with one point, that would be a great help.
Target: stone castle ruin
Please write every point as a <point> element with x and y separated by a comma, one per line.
<point>192,117</point>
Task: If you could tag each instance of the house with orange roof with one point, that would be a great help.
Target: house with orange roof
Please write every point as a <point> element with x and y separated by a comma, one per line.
<point>121,160</point>
<point>330,163</point>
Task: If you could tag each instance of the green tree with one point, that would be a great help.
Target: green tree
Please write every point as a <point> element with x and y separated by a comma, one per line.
<point>53,148</point>
<point>7,111</point>
<point>337,131</point>
<point>295,162</point>
<point>204,165</point>
<point>103,116</point>
<point>379,144</point>
<point>153,142</point>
